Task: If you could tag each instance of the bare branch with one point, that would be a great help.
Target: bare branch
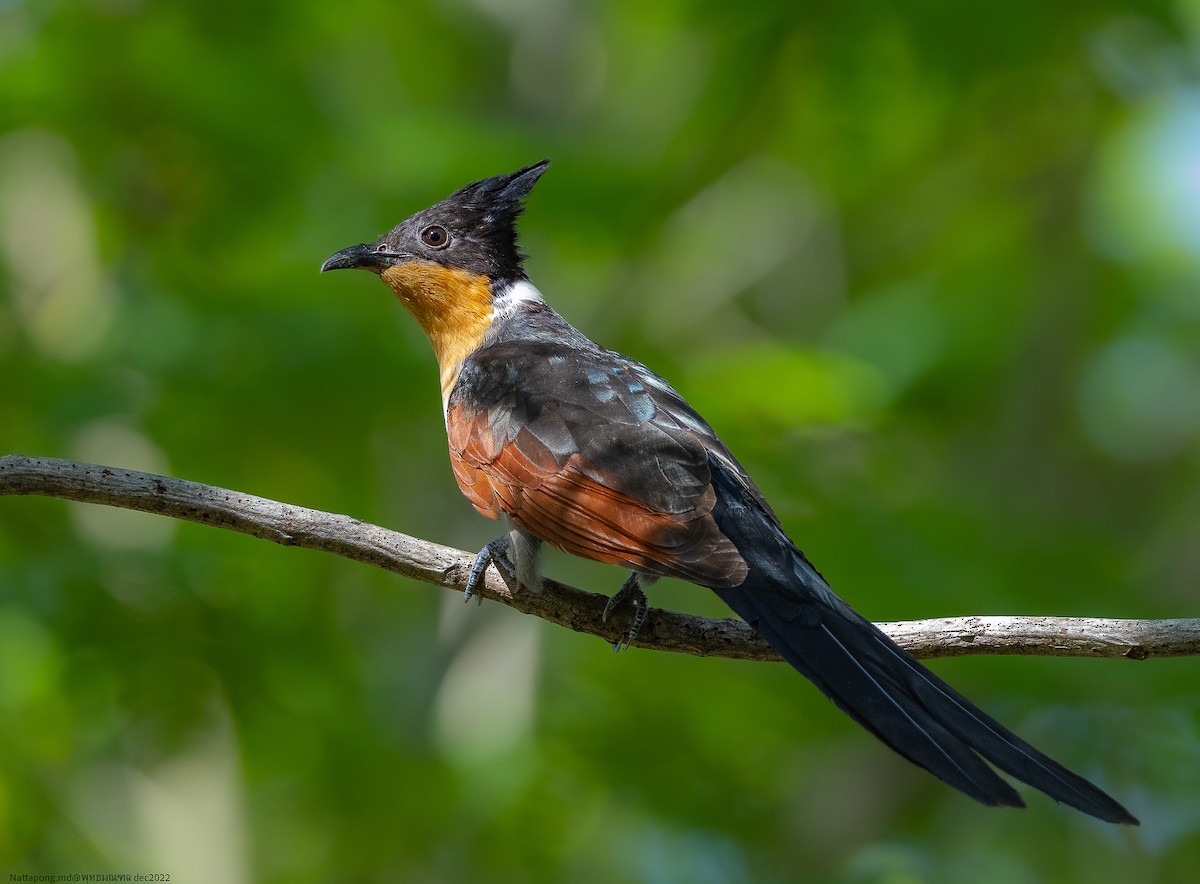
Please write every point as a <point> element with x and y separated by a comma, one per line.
<point>560,604</point>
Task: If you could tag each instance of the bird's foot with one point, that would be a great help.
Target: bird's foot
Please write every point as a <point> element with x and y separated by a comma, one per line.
<point>630,591</point>
<point>495,553</point>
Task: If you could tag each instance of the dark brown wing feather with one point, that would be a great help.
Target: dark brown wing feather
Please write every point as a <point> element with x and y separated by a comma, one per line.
<point>589,452</point>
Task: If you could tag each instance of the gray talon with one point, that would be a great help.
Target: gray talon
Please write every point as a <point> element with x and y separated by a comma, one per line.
<point>494,553</point>
<point>631,590</point>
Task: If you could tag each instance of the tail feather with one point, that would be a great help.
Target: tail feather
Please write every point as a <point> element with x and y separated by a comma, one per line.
<point>872,696</point>
<point>909,708</point>
<point>876,682</point>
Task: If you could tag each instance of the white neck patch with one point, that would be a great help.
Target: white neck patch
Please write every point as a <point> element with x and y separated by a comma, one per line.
<point>507,299</point>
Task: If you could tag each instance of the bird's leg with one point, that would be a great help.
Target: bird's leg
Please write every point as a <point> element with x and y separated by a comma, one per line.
<point>631,590</point>
<point>526,553</point>
<point>495,553</point>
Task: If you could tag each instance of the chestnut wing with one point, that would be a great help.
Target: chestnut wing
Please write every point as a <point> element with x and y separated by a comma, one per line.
<point>592,453</point>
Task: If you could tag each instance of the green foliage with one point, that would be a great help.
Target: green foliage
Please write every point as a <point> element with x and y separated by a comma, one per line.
<point>931,271</point>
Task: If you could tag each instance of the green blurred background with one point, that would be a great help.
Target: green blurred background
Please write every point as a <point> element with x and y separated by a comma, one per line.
<point>931,273</point>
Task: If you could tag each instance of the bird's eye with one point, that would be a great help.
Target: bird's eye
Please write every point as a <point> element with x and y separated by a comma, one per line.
<point>435,236</point>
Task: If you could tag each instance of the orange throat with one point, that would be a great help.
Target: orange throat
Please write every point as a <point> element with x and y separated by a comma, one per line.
<point>453,307</point>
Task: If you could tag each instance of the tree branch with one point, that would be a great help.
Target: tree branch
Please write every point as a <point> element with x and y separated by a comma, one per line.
<point>557,603</point>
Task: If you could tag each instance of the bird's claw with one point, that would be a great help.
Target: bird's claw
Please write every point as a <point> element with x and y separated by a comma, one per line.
<point>631,590</point>
<point>494,553</point>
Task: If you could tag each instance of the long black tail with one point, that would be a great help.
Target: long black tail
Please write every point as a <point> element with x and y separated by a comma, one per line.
<point>873,680</point>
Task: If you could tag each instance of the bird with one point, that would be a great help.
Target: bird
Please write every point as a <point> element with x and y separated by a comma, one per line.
<point>579,447</point>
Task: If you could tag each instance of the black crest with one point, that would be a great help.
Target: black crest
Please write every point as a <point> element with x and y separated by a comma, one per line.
<point>479,223</point>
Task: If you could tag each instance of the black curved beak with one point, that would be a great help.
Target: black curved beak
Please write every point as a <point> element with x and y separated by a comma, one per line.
<point>364,256</point>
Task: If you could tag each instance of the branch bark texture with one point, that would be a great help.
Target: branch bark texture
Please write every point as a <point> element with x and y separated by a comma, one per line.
<point>557,603</point>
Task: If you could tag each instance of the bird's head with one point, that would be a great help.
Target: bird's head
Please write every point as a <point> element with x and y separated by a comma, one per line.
<point>473,230</point>
<point>454,263</point>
